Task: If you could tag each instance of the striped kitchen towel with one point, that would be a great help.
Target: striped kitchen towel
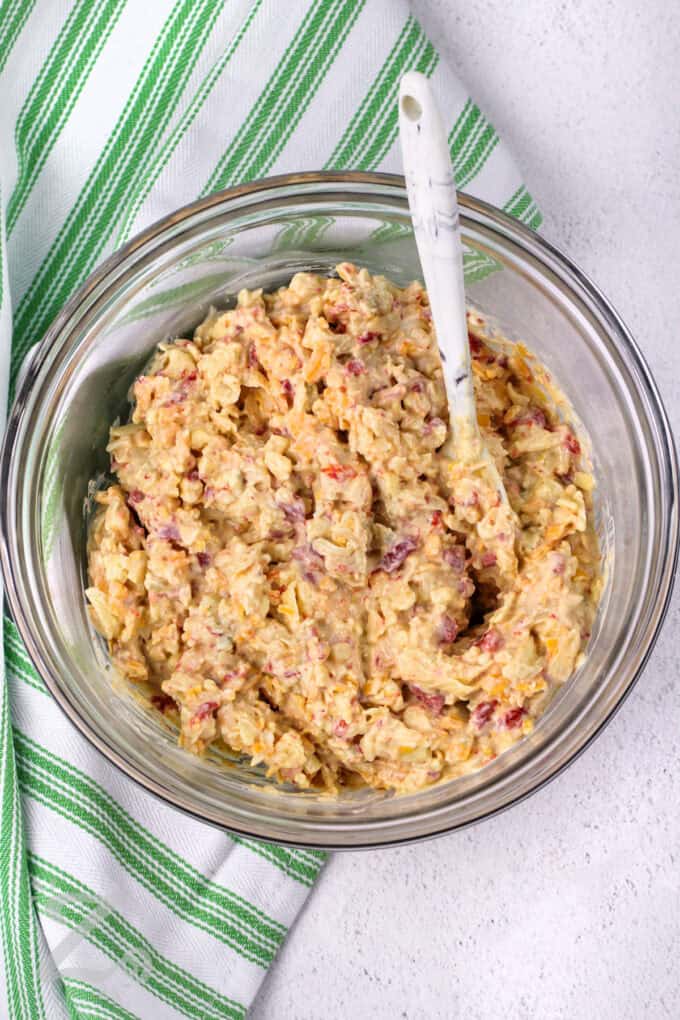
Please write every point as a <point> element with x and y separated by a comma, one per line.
<point>112,113</point>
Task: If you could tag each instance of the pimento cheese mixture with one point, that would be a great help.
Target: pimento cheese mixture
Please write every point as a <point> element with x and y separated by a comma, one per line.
<point>291,566</point>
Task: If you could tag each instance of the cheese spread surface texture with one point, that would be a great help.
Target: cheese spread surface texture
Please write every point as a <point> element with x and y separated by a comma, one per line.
<point>289,563</point>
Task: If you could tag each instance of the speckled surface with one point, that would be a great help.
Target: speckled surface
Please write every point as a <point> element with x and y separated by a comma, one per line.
<point>567,906</point>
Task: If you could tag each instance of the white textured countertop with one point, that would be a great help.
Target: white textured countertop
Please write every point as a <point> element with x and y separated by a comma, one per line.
<point>568,905</point>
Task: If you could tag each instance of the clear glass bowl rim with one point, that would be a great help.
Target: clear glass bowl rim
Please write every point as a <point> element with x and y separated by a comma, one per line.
<point>532,245</point>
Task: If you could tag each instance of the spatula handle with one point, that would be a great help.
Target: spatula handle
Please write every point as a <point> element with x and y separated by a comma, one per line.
<point>436,223</point>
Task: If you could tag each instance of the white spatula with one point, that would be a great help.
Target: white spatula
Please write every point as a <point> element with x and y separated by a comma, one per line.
<point>436,224</point>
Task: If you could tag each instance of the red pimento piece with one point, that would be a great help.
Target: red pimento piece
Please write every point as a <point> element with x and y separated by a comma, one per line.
<point>340,728</point>
<point>204,710</point>
<point>475,344</point>
<point>294,511</point>
<point>287,387</point>
<point>431,425</point>
<point>252,358</point>
<point>339,472</point>
<point>471,500</point>
<point>181,392</point>
<point>514,717</point>
<point>488,559</point>
<point>448,629</point>
<point>136,496</point>
<point>355,366</point>
<point>483,712</point>
<point>397,553</point>
<point>417,387</point>
<point>533,416</point>
<point>436,518</point>
<point>162,702</point>
<point>491,641</point>
<point>203,558</point>
<point>572,444</point>
<point>193,476</point>
<point>311,563</point>
<point>559,563</point>
<point>366,338</point>
<point>455,557</point>
<point>169,532</point>
<point>434,703</point>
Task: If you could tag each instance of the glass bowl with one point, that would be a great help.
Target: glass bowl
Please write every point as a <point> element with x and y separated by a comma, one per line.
<point>162,284</point>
